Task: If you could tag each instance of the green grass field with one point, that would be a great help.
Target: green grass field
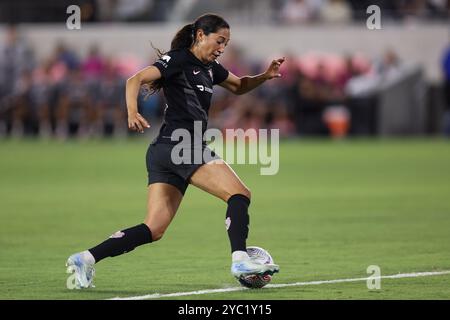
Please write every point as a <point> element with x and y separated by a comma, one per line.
<point>333,209</point>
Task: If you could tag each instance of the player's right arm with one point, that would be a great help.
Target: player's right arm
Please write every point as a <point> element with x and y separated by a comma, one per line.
<point>135,120</point>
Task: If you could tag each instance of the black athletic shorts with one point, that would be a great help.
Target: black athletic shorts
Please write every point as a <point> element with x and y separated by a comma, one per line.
<point>161,167</point>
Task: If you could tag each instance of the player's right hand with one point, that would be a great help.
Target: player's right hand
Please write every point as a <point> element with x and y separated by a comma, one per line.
<point>136,122</point>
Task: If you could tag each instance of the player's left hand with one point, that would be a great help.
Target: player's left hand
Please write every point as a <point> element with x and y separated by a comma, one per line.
<point>274,69</point>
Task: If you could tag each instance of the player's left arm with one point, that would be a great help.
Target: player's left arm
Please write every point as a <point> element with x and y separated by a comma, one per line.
<point>245,84</point>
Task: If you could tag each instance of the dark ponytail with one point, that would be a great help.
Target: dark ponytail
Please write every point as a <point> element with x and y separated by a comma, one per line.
<point>185,38</point>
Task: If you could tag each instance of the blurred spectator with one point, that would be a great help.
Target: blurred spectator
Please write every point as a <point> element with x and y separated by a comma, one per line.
<point>16,64</point>
<point>360,91</point>
<point>110,108</point>
<point>43,89</point>
<point>439,8</point>
<point>93,65</point>
<point>307,106</point>
<point>323,87</point>
<point>161,10</point>
<point>390,67</point>
<point>21,104</point>
<point>413,8</point>
<point>74,111</point>
<point>106,9</point>
<point>66,56</point>
<point>289,69</point>
<point>133,10</point>
<point>348,70</point>
<point>336,11</point>
<point>16,57</point>
<point>297,11</point>
<point>30,112</point>
<point>360,81</point>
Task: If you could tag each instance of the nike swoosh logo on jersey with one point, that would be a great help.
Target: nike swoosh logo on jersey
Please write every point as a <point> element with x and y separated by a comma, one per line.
<point>196,72</point>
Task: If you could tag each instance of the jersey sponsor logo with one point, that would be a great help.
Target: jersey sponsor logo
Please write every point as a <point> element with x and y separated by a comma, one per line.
<point>203,88</point>
<point>166,58</point>
<point>196,72</point>
<point>165,65</point>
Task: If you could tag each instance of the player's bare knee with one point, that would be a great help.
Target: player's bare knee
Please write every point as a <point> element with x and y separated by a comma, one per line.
<point>248,193</point>
<point>156,231</point>
<point>243,191</point>
<point>157,236</point>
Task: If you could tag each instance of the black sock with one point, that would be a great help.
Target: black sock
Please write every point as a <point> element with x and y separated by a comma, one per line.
<point>122,242</point>
<point>237,221</point>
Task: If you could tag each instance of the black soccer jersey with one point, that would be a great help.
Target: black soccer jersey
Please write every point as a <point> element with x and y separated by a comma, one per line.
<point>188,87</point>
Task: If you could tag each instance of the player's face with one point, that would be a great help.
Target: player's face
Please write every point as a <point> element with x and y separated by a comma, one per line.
<point>214,44</point>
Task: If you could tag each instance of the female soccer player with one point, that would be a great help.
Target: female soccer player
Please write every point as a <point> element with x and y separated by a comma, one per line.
<point>187,74</point>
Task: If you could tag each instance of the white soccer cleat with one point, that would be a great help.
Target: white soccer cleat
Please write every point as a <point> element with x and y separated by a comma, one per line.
<point>84,272</point>
<point>249,267</point>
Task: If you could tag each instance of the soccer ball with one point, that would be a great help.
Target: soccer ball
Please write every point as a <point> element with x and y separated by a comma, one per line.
<point>255,281</point>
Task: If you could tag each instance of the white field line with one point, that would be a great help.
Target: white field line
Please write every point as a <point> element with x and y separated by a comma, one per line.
<point>295,284</point>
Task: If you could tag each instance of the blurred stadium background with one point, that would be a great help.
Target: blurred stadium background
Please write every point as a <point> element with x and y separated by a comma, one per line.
<point>372,190</point>
<point>57,82</point>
